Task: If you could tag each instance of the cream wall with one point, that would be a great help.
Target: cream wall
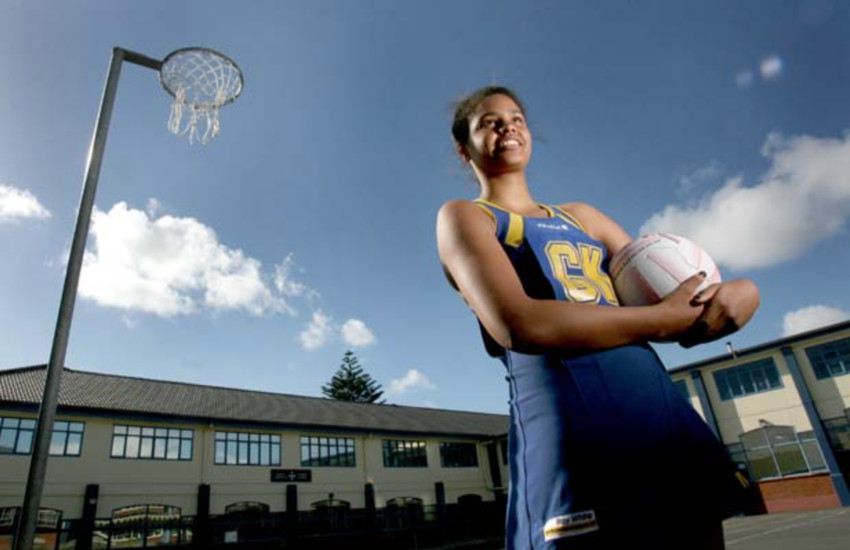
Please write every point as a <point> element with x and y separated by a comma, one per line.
<point>781,406</point>
<point>125,482</point>
<point>831,395</point>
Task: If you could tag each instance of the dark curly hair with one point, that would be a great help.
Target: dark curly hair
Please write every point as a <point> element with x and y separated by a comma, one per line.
<point>466,105</point>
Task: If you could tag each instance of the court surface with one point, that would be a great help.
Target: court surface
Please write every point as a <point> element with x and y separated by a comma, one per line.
<point>817,530</point>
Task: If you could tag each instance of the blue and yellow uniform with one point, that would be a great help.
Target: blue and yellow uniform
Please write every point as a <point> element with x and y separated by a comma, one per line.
<point>604,451</point>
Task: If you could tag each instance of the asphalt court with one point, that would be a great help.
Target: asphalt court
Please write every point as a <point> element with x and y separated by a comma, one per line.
<point>817,530</point>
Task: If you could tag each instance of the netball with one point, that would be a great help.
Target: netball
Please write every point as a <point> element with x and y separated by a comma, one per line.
<point>653,265</point>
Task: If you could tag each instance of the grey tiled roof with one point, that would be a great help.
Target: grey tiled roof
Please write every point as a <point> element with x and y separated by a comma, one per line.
<point>110,394</point>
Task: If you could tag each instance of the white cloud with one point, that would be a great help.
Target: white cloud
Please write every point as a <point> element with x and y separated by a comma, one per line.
<point>355,333</point>
<point>803,198</point>
<point>19,203</point>
<point>744,78</point>
<point>170,266</point>
<point>318,332</point>
<point>771,67</point>
<point>810,318</point>
<point>699,179</point>
<point>154,207</point>
<point>287,285</point>
<point>412,380</point>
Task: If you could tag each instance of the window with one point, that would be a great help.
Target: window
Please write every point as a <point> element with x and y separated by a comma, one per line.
<point>67,439</point>
<point>247,510</point>
<point>143,442</point>
<point>503,444</point>
<point>146,526</point>
<point>16,435</point>
<point>756,377</point>
<point>682,388</point>
<point>404,454</point>
<point>328,451</point>
<point>831,359</point>
<point>458,455</point>
<point>247,449</point>
<point>838,431</point>
<point>778,451</point>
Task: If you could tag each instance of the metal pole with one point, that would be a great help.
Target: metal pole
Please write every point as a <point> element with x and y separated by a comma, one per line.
<point>47,413</point>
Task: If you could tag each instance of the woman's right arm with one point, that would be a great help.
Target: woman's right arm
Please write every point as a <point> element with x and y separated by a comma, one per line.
<point>483,274</point>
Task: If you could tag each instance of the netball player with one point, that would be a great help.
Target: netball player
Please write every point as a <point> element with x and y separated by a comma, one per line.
<point>604,452</point>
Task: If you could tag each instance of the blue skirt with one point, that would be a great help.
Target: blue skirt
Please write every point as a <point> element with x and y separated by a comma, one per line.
<point>604,450</point>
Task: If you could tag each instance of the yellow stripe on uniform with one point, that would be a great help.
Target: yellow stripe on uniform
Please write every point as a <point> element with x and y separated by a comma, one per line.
<point>516,230</point>
<point>567,217</point>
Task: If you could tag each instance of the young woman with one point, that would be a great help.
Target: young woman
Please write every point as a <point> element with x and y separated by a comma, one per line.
<point>604,453</point>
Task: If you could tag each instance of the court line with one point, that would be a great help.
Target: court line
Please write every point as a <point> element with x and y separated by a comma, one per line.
<point>748,523</point>
<point>786,527</point>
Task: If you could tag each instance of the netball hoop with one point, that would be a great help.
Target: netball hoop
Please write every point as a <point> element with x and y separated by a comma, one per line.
<point>202,81</point>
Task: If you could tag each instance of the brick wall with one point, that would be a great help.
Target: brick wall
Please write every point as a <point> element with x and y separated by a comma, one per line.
<point>798,493</point>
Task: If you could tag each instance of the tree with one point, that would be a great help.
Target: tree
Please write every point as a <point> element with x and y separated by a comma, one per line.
<point>350,383</point>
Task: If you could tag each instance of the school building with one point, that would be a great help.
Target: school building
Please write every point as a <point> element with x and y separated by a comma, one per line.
<point>137,452</point>
<point>783,411</point>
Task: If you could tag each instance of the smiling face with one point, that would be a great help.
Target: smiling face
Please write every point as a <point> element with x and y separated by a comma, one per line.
<point>499,140</point>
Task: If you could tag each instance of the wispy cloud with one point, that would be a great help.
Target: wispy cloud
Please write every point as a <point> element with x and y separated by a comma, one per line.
<point>771,67</point>
<point>317,333</point>
<point>411,381</point>
<point>810,318</point>
<point>803,198</point>
<point>17,204</point>
<point>321,330</point>
<point>355,333</point>
<point>171,266</point>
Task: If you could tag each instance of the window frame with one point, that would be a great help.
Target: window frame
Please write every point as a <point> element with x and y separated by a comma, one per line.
<point>322,446</point>
<point>397,453</point>
<point>453,449</point>
<point>153,440</point>
<point>802,442</point>
<point>746,381</point>
<point>252,443</point>
<point>818,356</point>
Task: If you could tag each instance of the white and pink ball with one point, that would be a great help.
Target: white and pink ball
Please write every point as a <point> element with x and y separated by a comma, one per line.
<point>652,266</point>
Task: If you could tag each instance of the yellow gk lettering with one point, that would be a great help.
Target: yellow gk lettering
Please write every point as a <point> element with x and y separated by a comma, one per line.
<point>579,270</point>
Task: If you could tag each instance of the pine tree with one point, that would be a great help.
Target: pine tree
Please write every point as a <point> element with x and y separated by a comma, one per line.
<point>350,383</point>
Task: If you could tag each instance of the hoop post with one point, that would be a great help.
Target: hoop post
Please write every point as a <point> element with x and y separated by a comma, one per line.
<point>141,59</point>
<point>50,398</point>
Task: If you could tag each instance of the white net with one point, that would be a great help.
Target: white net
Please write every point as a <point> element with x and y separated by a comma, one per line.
<point>201,81</point>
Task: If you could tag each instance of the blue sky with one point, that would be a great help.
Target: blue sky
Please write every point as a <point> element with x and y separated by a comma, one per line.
<point>307,227</point>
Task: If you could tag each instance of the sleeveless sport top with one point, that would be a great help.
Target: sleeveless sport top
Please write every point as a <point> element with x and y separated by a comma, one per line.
<point>554,258</point>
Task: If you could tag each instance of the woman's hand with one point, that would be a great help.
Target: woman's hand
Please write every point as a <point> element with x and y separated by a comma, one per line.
<point>727,306</point>
<point>679,311</point>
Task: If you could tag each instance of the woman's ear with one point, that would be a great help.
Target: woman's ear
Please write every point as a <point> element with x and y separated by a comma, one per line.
<point>461,151</point>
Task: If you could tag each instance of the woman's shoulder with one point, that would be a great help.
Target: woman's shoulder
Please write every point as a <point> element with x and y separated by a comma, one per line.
<point>598,225</point>
<point>462,208</point>
<point>579,209</point>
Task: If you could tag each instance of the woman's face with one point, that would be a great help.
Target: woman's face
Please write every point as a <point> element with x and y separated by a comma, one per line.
<point>499,140</point>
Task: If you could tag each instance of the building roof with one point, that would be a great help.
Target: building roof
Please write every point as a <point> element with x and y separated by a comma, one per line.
<point>773,344</point>
<point>122,395</point>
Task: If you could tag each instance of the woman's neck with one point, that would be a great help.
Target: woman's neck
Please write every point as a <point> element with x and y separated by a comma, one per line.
<point>509,191</point>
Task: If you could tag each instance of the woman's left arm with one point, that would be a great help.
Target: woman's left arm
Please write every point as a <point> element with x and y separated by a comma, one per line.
<point>728,305</point>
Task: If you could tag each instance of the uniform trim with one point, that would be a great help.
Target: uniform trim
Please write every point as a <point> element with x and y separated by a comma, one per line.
<point>514,236</point>
<point>516,230</point>
<point>480,204</point>
<point>567,217</point>
<point>570,525</point>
